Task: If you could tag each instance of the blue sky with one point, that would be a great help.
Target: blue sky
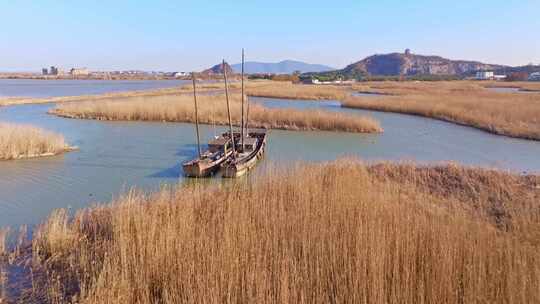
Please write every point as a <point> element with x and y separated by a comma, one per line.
<point>192,35</point>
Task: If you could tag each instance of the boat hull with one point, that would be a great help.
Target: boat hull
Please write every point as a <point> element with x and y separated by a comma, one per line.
<point>203,168</point>
<point>237,169</point>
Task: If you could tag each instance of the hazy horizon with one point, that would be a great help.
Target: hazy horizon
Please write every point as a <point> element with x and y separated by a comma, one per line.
<point>171,36</point>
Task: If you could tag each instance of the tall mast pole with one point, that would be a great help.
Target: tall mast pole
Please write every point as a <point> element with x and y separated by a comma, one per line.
<point>242,101</point>
<point>228,108</point>
<point>247,99</point>
<point>196,115</point>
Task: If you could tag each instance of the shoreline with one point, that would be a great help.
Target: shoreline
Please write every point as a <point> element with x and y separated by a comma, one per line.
<point>492,131</point>
<point>369,125</point>
<point>399,91</point>
<point>46,154</point>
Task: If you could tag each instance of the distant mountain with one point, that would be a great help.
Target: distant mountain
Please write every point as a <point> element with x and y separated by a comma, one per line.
<point>282,67</point>
<point>411,64</point>
<point>408,64</point>
<point>218,69</point>
<point>529,69</point>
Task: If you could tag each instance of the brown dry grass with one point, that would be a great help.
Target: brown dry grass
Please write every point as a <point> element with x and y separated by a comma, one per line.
<point>212,109</point>
<point>4,252</point>
<point>467,103</point>
<point>462,102</point>
<point>3,241</point>
<point>24,141</point>
<point>282,89</point>
<point>332,233</point>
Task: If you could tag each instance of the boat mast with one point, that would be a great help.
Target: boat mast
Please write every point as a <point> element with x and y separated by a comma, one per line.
<point>242,101</point>
<point>247,99</point>
<point>196,115</point>
<point>228,108</point>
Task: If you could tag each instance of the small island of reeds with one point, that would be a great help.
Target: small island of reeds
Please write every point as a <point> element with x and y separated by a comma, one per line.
<point>25,141</point>
<point>469,103</point>
<point>212,110</point>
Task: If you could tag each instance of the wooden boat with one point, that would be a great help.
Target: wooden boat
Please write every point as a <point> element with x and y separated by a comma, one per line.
<point>247,157</point>
<point>209,162</point>
<point>248,147</point>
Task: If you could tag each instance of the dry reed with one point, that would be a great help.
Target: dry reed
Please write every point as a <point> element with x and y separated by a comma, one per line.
<point>281,89</point>
<point>332,233</point>
<point>212,109</point>
<point>467,103</point>
<point>462,102</point>
<point>24,141</point>
<point>4,232</point>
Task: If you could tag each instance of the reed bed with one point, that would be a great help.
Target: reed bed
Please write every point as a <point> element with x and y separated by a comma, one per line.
<point>212,110</point>
<point>466,103</point>
<point>340,232</point>
<point>3,241</point>
<point>282,89</point>
<point>25,141</point>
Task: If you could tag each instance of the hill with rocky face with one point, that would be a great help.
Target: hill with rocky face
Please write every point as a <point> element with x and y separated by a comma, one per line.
<point>218,70</point>
<point>408,64</point>
<point>411,64</point>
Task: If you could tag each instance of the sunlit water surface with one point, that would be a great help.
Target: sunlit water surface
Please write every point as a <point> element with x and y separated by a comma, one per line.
<point>115,156</point>
<point>53,88</point>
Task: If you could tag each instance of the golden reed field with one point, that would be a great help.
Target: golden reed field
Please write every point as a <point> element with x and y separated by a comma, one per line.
<point>25,141</point>
<point>282,89</point>
<point>515,114</point>
<point>468,103</point>
<point>341,232</point>
<point>213,109</point>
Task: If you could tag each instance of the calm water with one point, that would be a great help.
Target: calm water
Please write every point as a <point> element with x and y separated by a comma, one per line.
<point>367,94</point>
<point>56,88</point>
<point>115,156</point>
<point>509,90</point>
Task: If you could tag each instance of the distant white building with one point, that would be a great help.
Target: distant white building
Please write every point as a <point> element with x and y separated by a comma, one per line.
<point>534,76</point>
<point>79,72</point>
<point>485,75</point>
<point>181,74</point>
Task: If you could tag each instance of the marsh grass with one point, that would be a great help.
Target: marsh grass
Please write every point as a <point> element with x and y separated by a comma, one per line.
<point>340,232</point>
<point>4,232</point>
<point>4,251</point>
<point>212,109</point>
<point>24,141</point>
<point>283,89</point>
<point>463,102</point>
<point>466,103</point>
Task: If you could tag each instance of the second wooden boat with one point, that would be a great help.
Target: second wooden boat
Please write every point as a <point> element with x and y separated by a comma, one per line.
<point>247,157</point>
<point>248,146</point>
<point>209,162</point>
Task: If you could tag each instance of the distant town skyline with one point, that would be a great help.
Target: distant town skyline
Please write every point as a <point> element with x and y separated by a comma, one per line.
<point>175,36</point>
